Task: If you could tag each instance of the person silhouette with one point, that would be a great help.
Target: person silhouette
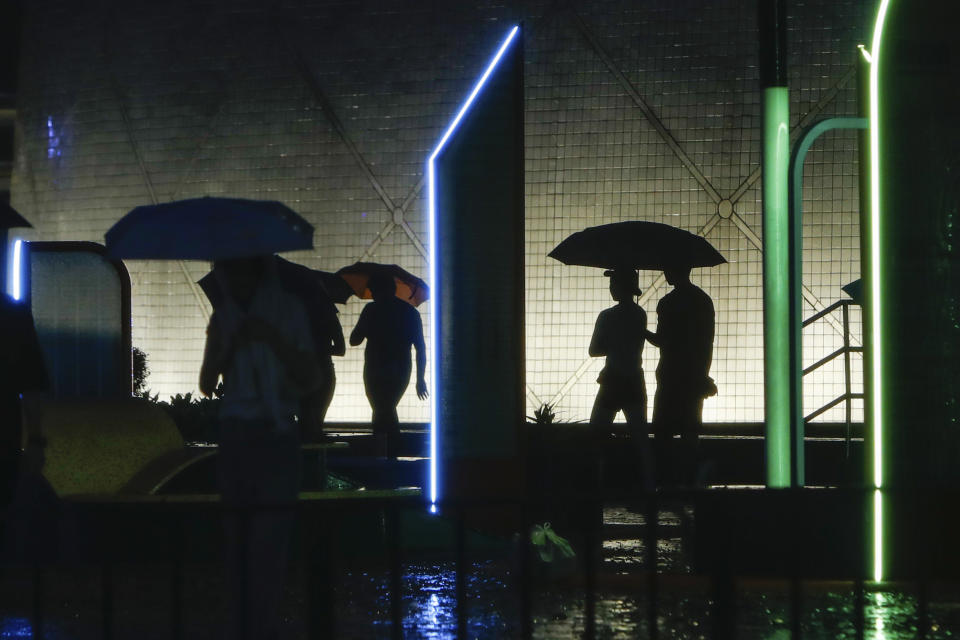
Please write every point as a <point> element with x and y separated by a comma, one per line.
<point>685,328</point>
<point>390,326</point>
<point>619,334</point>
<point>259,341</point>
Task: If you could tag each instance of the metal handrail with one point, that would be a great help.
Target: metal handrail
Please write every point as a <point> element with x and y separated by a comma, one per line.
<point>848,396</point>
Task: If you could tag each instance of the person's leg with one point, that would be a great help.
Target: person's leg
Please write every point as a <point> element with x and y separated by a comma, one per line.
<point>636,414</point>
<point>603,413</point>
<point>231,482</point>
<point>690,440</point>
<point>270,529</point>
<point>398,388</point>
<point>601,421</point>
<point>373,386</point>
<point>662,436</point>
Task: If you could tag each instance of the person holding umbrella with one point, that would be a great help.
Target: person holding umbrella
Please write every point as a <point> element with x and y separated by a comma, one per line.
<point>685,329</point>
<point>259,341</point>
<point>391,327</point>
<point>685,317</point>
<point>618,335</point>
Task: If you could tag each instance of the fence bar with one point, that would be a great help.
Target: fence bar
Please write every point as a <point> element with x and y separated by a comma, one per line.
<point>590,543</point>
<point>106,590</point>
<point>244,543</point>
<point>923,609</point>
<point>859,609</point>
<point>461,576</point>
<point>846,373</point>
<point>38,589</point>
<point>396,579</point>
<point>317,541</point>
<point>526,586</point>
<point>796,606</point>
<point>176,591</point>
<point>724,603</point>
<point>652,521</point>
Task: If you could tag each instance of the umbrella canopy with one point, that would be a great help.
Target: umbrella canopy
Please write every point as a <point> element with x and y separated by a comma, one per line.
<point>636,245</point>
<point>410,288</point>
<point>303,283</point>
<point>307,283</point>
<point>208,229</point>
<point>9,218</point>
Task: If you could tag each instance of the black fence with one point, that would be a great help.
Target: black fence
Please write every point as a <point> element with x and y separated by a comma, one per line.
<point>796,537</point>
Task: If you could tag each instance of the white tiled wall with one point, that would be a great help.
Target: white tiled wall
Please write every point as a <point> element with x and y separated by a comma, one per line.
<point>181,99</point>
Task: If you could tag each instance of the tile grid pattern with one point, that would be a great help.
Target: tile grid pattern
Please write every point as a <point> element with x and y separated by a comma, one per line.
<point>633,111</point>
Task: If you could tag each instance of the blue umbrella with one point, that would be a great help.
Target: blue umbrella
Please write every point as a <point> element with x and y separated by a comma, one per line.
<point>208,229</point>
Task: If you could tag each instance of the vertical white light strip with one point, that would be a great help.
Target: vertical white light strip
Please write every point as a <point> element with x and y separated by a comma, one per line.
<point>16,283</point>
<point>876,291</point>
<point>434,298</point>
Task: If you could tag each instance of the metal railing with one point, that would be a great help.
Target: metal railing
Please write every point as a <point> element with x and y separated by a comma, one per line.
<point>319,560</point>
<point>845,352</point>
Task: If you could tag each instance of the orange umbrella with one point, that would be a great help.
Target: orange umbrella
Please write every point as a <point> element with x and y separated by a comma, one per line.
<point>410,288</point>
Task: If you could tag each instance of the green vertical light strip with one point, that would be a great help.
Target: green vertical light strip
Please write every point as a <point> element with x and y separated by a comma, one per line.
<point>876,292</point>
<point>776,283</point>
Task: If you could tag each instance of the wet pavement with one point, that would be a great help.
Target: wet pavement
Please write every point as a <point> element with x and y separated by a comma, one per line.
<point>684,607</point>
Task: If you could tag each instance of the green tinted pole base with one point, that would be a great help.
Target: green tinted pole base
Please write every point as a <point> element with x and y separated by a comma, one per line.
<point>776,284</point>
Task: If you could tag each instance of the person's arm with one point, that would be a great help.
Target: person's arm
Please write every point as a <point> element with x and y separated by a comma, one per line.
<point>421,348</point>
<point>360,331</point>
<point>339,346</point>
<point>651,337</point>
<point>213,360</point>
<point>597,347</point>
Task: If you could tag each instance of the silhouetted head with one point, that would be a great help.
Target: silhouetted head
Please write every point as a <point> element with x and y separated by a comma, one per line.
<point>624,284</point>
<point>677,275</point>
<point>241,277</point>
<point>382,286</point>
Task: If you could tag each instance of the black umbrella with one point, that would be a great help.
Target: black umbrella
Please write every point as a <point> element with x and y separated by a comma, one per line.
<point>636,245</point>
<point>308,285</point>
<point>295,278</point>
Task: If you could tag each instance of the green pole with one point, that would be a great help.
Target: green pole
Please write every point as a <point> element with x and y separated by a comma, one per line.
<point>772,26</point>
<point>873,277</point>
<point>776,284</point>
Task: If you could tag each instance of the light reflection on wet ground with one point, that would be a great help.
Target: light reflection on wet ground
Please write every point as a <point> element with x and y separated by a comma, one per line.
<point>429,607</point>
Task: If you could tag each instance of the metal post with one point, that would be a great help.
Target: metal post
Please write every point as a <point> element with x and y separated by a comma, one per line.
<point>590,570</point>
<point>796,606</point>
<point>776,233</point>
<point>396,579</point>
<point>106,590</point>
<point>846,372</point>
<point>176,591</point>
<point>652,521</point>
<point>461,578</point>
<point>38,589</point>
<point>526,622</point>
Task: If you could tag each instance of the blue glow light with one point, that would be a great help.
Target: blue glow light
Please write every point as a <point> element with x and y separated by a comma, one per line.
<point>15,628</point>
<point>17,278</point>
<point>434,315</point>
<point>53,140</point>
